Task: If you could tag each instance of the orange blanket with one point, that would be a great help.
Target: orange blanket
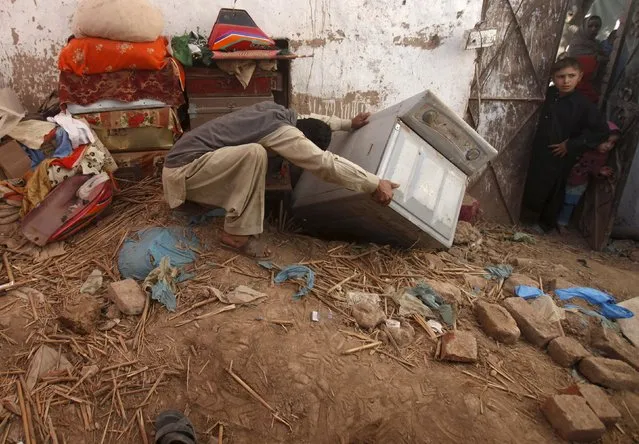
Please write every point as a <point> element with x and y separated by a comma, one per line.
<point>98,56</point>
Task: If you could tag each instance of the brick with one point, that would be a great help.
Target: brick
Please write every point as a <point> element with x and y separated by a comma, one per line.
<point>609,373</point>
<point>518,279</point>
<point>611,345</point>
<point>534,328</point>
<point>497,322</point>
<point>127,296</point>
<point>597,400</point>
<point>459,346</point>
<point>449,292</point>
<point>81,314</point>
<point>573,419</point>
<point>566,351</point>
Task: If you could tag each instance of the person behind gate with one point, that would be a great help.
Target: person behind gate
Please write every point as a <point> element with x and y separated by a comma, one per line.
<point>224,162</point>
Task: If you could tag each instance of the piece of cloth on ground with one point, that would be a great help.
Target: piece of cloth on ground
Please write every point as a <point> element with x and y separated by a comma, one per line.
<point>161,283</point>
<point>32,133</point>
<point>499,271</point>
<point>78,130</point>
<point>142,252</point>
<point>434,301</point>
<point>37,188</point>
<point>607,304</point>
<point>297,272</point>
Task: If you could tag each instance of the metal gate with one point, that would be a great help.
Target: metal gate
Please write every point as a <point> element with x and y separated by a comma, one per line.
<point>508,91</point>
<point>621,100</point>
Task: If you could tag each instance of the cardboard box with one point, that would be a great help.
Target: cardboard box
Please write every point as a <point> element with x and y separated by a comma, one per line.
<point>14,162</point>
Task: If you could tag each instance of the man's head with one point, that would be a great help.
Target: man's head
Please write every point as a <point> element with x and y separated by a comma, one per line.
<point>592,26</point>
<point>316,131</point>
<point>566,74</point>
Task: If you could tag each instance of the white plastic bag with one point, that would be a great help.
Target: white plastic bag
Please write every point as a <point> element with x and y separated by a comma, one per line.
<point>123,20</point>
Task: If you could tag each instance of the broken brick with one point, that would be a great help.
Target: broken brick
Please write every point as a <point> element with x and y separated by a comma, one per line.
<point>609,373</point>
<point>497,322</point>
<point>566,351</point>
<point>476,282</point>
<point>515,280</point>
<point>368,315</point>
<point>128,296</point>
<point>81,314</point>
<point>572,418</point>
<point>459,346</point>
<point>614,346</point>
<point>466,234</point>
<point>537,330</point>
<point>598,401</point>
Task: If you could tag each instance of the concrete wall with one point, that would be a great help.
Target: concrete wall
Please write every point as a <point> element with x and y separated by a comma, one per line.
<point>366,53</point>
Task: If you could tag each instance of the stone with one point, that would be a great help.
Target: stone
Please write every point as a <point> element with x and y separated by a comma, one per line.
<point>476,282</point>
<point>609,373</point>
<point>597,400</point>
<point>449,292</point>
<point>557,283</point>
<point>516,280</point>
<point>128,296</point>
<point>630,326</point>
<point>611,345</point>
<point>566,351</point>
<point>466,234</point>
<point>404,335</point>
<point>81,314</point>
<point>573,419</point>
<point>524,262</point>
<point>459,346</point>
<point>496,322</point>
<point>89,370</point>
<point>368,316</point>
<point>534,328</point>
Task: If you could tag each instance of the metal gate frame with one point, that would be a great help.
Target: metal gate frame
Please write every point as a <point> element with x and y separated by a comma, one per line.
<point>507,94</point>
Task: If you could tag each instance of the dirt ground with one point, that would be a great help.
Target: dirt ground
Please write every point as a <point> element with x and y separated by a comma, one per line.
<point>148,364</point>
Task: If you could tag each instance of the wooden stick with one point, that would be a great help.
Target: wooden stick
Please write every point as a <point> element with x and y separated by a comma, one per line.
<point>220,434</point>
<point>254,394</point>
<point>124,364</point>
<point>340,283</point>
<point>152,389</point>
<point>193,307</point>
<point>363,347</point>
<point>207,315</point>
<point>140,418</point>
<point>106,427</point>
<point>26,425</point>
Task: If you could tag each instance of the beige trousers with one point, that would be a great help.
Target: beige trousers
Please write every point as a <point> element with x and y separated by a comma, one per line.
<point>233,178</point>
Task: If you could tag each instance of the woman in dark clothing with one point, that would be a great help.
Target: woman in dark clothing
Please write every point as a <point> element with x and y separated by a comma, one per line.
<point>570,124</point>
<point>590,54</point>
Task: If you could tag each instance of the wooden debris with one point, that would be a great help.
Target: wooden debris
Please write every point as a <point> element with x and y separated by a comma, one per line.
<point>207,315</point>
<point>361,348</point>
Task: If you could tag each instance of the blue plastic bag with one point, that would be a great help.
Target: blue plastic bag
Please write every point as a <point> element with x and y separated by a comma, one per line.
<point>297,272</point>
<point>607,304</point>
<point>528,292</point>
<point>140,255</point>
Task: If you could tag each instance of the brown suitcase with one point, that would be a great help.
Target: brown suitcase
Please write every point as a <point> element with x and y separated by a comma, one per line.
<point>203,109</point>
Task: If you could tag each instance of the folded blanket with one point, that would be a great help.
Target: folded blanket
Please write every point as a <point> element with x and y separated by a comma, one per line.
<point>165,85</point>
<point>97,56</point>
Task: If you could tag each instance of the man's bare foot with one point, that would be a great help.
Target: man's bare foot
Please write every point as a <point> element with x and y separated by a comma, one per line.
<point>247,245</point>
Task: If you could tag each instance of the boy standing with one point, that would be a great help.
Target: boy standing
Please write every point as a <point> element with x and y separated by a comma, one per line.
<point>569,125</point>
<point>592,163</point>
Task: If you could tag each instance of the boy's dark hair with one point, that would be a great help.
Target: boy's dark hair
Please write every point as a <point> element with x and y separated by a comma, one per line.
<point>316,131</point>
<point>565,62</point>
<point>594,17</point>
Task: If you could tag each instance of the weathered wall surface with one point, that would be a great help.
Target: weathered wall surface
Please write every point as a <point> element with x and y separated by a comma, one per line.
<point>366,53</point>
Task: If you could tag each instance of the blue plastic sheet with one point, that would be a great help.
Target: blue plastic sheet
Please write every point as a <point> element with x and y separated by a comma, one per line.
<point>528,292</point>
<point>297,272</point>
<point>607,304</point>
<point>143,253</point>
